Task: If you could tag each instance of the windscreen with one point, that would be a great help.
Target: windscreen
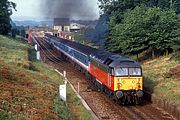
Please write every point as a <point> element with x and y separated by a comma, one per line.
<point>127,71</point>
<point>135,71</point>
<point>121,72</point>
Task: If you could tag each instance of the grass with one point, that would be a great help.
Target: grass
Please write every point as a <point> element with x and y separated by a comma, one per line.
<point>78,111</point>
<point>61,109</point>
<point>4,116</point>
<point>29,88</point>
<point>159,80</point>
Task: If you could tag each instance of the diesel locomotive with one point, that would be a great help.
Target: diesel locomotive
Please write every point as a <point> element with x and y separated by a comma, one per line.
<point>118,76</point>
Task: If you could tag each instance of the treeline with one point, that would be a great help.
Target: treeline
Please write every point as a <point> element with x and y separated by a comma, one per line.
<point>6,8</point>
<point>142,25</point>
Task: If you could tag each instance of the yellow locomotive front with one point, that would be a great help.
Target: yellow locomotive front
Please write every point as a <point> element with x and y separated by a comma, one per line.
<point>128,84</point>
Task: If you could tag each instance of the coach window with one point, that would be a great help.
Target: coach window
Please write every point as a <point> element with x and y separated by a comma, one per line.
<point>121,72</point>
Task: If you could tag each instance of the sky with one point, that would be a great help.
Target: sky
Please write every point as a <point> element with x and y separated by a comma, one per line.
<point>30,9</point>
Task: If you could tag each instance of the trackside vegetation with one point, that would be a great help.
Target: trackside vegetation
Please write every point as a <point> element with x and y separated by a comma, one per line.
<point>160,78</point>
<point>29,88</point>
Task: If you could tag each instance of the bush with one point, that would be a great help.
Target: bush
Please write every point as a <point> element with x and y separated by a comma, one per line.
<point>176,55</point>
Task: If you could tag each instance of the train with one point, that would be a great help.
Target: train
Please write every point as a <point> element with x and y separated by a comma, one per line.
<point>118,76</point>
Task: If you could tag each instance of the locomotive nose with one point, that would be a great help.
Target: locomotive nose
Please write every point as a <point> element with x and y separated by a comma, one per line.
<point>139,93</point>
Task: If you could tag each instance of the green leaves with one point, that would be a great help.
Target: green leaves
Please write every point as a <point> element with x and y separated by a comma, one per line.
<point>145,28</point>
<point>5,13</point>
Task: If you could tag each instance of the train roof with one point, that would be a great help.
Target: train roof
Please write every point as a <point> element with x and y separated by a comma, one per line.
<point>102,56</point>
<point>114,60</point>
<point>82,48</point>
<point>124,62</point>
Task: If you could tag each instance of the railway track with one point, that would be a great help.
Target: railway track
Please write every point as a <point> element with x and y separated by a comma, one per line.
<point>101,104</point>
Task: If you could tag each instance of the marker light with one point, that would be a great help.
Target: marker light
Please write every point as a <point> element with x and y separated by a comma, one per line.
<point>133,81</point>
<point>138,80</point>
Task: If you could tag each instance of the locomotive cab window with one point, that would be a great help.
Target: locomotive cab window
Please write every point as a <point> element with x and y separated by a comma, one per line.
<point>121,72</point>
<point>128,72</point>
<point>135,71</point>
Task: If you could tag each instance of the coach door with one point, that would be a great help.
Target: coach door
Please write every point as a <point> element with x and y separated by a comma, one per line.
<point>109,76</point>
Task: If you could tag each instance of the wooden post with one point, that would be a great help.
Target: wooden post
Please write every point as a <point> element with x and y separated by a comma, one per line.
<point>38,55</point>
<point>64,73</point>
<point>65,78</point>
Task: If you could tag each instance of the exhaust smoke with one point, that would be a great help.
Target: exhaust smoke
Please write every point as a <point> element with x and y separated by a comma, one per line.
<point>73,9</point>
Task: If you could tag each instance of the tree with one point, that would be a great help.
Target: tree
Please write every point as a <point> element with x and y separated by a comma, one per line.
<point>168,31</point>
<point>145,28</point>
<point>110,6</point>
<point>130,36</point>
<point>117,8</point>
<point>164,4</point>
<point>101,31</point>
<point>5,13</point>
<point>13,29</point>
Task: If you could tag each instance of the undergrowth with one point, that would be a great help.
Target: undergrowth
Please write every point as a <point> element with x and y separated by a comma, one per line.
<point>159,81</point>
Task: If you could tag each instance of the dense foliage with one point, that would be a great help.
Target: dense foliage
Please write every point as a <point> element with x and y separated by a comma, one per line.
<point>144,28</point>
<point>97,35</point>
<point>5,13</point>
<point>138,25</point>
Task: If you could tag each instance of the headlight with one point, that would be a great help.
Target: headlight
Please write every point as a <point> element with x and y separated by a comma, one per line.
<point>119,94</point>
<point>139,93</point>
